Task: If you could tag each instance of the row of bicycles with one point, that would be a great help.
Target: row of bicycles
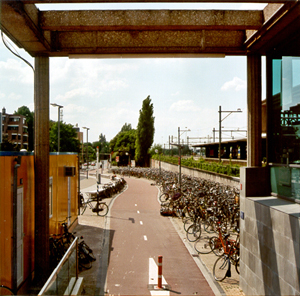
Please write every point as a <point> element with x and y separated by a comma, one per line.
<point>59,244</point>
<point>209,211</point>
<point>95,202</point>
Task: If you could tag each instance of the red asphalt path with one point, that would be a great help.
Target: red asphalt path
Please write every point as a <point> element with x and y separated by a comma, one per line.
<point>139,232</point>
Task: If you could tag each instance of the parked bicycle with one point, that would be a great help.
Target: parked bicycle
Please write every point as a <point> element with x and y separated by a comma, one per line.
<point>6,290</point>
<point>95,204</point>
<point>59,244</point>
<point>228,251</point>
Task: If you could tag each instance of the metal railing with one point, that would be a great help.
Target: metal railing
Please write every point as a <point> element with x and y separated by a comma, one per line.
<point>64,276</point>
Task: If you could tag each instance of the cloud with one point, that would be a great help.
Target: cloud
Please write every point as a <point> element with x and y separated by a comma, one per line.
<point>184,106</point>
<point>77,94</point>
<point>175,94</point>
<point>236,84</point>
<point>16,71</point>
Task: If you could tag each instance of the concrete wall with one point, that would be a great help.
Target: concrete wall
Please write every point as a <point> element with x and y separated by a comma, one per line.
<point>270,247</point>
<point>227,180</point>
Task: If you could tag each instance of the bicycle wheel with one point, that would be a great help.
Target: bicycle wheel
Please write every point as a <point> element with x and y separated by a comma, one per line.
<point>209,225</point>
<point>83,260</point>
<point>88,251</point>
<point>102,209</point>
<point>216,246</point>
<point>193,232</point>
<point>164,197</point>
<point>221,267</point>
<point>187,223</point>
<point>203,245</point>
<point>83,208</point>
<point>6,290</point>
<point>237,265</point>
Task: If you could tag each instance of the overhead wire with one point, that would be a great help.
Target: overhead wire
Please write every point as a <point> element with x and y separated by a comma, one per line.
<point>15,53</point>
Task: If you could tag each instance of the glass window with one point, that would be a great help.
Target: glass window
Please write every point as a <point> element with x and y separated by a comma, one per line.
<point>285,113</point>
<point>284,133</point>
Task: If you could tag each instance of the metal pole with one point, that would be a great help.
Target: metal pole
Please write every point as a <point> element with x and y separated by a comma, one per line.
<point>58,128</point>
<point>159,276</point>
<point>179,158</point>
<point>87,164</point>
<point>220,132</point>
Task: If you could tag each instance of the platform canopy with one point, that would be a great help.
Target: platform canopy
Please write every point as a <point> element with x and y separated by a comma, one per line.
<point>121,33</point>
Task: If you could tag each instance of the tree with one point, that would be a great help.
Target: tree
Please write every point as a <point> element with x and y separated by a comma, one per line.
<point>7,145</point>
<point>102,144</point>
<point>91,153</point>
<point>145,133</point>
<point>126,127</point>
<point>155,147</point>
<point>123,144</point>
<point>25,111</point>
<point>68,138</point>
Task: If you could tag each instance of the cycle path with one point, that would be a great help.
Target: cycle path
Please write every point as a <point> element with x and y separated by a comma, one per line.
<point>97,231</point>
<point>141,234</point>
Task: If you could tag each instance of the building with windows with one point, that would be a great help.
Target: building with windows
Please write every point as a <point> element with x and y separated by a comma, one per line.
<point>15,127</point>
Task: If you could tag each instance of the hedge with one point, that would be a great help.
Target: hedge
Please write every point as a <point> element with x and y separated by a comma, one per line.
<point>202,164</point>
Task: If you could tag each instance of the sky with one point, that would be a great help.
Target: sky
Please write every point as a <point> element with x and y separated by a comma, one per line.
<point>104,94</point>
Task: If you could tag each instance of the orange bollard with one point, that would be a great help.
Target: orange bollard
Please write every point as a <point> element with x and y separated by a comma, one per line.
<point>159,284</point>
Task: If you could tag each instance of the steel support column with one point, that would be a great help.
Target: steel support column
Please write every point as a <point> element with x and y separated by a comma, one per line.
<point>41,162</point>
<point>254,145</point>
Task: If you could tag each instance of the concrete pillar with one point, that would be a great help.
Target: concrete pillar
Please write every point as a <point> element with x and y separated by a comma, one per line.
<point>41,162</point>
<point>254,145</point>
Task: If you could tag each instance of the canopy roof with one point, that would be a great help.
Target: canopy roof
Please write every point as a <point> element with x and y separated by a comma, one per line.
<point>150,32</point>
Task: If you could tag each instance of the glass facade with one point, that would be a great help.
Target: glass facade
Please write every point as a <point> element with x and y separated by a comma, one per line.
<point>284,133</point>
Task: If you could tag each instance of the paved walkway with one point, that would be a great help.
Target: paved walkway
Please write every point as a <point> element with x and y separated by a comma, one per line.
<point>95,229</point>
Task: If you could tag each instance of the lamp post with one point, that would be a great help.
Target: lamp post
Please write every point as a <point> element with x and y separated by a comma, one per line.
<point>58,124</point>
<point>156,151</point>
<point>220,127</point>
<point>87,161</point>
<point>179,154</point>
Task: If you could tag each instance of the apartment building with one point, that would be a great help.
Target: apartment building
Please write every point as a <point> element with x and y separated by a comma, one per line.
<point>15,127</point>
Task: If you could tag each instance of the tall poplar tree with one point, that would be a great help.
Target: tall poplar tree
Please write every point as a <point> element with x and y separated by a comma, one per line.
<point>145,133</point>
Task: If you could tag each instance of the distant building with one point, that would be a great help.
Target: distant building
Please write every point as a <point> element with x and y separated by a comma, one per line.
<point>79,133</point>
<point>15,127</point>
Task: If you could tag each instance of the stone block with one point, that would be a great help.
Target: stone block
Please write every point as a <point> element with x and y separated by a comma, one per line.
<point>291,275</point>
<point>250,209</point>
<point>285,288</point>
<point>264,214</point>
<point>259,288</point>
<point>252,262</point>
<point>251,226</point>
<point>278,220</point>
